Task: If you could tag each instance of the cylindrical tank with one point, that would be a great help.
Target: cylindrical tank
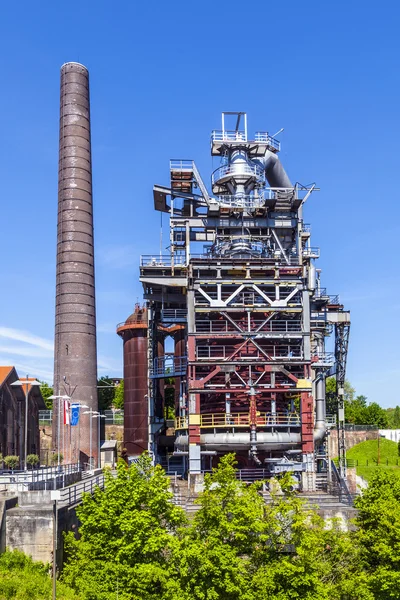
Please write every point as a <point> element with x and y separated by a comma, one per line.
<point>75,360</point>
<point>134,333</point>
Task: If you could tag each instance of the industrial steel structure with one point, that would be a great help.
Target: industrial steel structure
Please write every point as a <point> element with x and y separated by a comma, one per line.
<point>75,360</point>
<point>236,318</point>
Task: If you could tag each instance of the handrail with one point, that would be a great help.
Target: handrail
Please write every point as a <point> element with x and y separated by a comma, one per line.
<point>344,493</point>
<point>273,326</point>
<point>72,494</point>
<point>262,136</point>
<point>263,419</point>
<point>219,135</point>
<point>238,170</point>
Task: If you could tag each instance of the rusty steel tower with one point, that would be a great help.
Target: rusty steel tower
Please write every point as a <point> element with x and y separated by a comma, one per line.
<point>237,320</point>
<point>75,361</point>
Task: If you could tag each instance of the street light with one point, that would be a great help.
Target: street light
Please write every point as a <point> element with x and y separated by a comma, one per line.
<point>90,412</point>
<point>27,382</point>
<point>78,445</point>
<point>98,416</point>
<point>52,397</point>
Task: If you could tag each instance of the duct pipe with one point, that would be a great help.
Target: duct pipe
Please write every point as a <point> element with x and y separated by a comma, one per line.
<point>320,403</point>
<point>274,171</point>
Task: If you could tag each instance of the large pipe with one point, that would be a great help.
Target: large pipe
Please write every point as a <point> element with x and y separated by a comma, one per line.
<point>75,360</point>
<point>266,440</point>
<point>320,402</point>
<point>274,171</point>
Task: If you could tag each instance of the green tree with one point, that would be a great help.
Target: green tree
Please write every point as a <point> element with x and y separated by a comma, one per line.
<point>375,415</point>
<point>46,391</point>
<point>118,401</point>
<point>23,579</point>
<point>127,535</point>
<point>331,403</point>
<point>396,417</point>
<point>32,460</point>
<point>11,461</point>
<point>378,534</point>
<point>106,392</point>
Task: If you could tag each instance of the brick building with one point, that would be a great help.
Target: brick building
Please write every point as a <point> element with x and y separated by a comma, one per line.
<point>12,414</point>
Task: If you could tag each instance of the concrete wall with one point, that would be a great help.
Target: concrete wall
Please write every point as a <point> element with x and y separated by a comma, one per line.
<point>30,529</point>
<point>5,505</point>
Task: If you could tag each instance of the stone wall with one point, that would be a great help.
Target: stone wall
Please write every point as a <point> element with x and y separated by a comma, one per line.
<point>352,438</point>
<point>112,432</point>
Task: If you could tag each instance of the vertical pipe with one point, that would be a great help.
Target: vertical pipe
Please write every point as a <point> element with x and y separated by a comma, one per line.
<point>75,325</point>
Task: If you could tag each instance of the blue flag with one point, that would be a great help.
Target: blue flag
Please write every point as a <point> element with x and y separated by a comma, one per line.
<point>75,408</point>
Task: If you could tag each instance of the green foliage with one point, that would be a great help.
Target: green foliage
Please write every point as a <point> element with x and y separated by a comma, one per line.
<point>378,534</point>
<point>106,393</point>
<point>32,460</point>
<point>23,579</point>
<point>11,461</point>
<point>365,455</point>
<point>119,396</point>
<point>331,404</point>
<point>54,458</point>
<point>236,547</point>
<point>127,535</point>
<point>46,391</point>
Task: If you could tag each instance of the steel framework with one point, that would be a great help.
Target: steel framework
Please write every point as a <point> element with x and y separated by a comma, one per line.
<point>240,324</point>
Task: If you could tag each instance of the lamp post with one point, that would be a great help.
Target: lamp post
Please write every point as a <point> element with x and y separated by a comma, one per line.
<point>79,433</point>
<point>92,413</point>
<point>98,416</point>
<point>59,398</point>
<point>27,382</point>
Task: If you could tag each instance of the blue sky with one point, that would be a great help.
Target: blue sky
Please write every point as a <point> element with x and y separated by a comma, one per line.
<point>161,73</point>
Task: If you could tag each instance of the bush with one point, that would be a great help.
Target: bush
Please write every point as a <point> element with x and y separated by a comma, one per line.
<point>32,460</point>
<point>11,461</point>
<point>54,458</point>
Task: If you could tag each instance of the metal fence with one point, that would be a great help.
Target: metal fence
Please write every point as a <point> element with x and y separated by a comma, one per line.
<point>112,417</point>
<point>73,493</point>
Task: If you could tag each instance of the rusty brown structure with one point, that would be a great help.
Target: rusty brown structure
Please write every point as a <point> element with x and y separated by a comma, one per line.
<point>134,333</point>
<point>12,414</point>
<point>75,361</point>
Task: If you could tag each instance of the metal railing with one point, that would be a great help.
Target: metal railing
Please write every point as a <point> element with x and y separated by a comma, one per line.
<point>165,260</point>
<point>73,493</point>
<point>219,135</point>
<point>40,474</point>
<point>236,171</point>
<point>225,352</point>
<point>339,486</point>
<point>321,294</point>
<point>174,315</point>
<point>278,326</point>
<point>45,417</point>
<point>113,417</point>
<point>311,252</point>
<point>177,164</point>
<point>323,357</point>
<point>263,419</point>
<point>263,137</point>
<point>168,366</point>
<point>241,201</point>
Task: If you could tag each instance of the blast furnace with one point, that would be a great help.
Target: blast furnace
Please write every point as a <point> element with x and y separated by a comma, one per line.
<point>235,322</point>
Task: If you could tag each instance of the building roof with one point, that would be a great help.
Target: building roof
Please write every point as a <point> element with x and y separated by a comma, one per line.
<point>4,373</point>
<point>109,445</point>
